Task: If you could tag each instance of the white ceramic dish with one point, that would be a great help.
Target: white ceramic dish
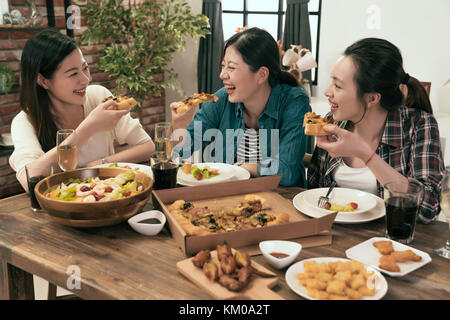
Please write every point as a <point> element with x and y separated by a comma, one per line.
<point>228,172</point>
<point>381,285</point>
<point>146,228</point>
<point>341,196</point>
<point>368,254</point>
<point>140,167</point>
<point>292,249</point>
<point>377,212</point>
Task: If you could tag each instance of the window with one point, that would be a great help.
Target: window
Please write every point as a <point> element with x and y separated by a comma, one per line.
<point>268,14</point>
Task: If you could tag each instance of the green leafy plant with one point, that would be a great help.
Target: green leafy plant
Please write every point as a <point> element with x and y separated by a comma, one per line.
<point>6,79</point>
<point>141,38</point>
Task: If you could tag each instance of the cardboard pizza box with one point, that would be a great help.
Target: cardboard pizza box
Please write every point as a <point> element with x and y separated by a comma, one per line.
<point>305,230</point>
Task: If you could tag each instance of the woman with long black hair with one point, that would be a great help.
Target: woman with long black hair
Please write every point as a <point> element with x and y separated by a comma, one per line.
<point>386,131</point>
<point>55,94</point>
<point>260,107</point>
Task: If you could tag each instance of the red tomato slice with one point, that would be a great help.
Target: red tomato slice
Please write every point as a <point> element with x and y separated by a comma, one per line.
<point>354,205</point>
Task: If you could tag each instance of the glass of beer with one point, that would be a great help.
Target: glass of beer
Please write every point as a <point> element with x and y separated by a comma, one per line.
<point>445,210</point>
<point>402,201</point>
<point>163,140</point>
<point>66,143</point>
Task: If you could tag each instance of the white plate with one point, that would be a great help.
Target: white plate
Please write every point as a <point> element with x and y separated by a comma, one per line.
<point>381,285</point>
<point>368,254</point>
<point>227,172</point>
<point>142,168</point>
<point>341,196</point>
<point>377,212</point>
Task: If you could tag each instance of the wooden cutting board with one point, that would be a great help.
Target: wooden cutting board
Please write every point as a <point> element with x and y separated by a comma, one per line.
<point>258,288</point>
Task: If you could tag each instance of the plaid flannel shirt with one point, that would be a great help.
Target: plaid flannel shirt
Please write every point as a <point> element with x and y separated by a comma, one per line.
<point>410,144</point>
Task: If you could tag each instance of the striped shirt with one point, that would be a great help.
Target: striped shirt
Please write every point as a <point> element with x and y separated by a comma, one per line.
<point>410,144</point>
<point>248,150</point>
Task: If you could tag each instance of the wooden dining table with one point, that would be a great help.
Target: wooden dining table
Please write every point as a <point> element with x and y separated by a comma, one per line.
<point>117,263</point>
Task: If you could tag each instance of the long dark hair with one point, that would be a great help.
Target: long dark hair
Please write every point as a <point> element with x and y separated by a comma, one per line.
<point>43,54</point>
<point>259,49</point>
<point>379,67</point>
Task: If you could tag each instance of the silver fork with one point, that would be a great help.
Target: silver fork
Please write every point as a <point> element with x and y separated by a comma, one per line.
<point>323,200</point>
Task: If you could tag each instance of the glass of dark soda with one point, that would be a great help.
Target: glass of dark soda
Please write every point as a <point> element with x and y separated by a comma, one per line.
<point>36,172</point>
<point>402,199</point>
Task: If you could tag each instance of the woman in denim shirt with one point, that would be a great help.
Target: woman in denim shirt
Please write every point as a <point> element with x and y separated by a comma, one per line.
<point>257,120</point>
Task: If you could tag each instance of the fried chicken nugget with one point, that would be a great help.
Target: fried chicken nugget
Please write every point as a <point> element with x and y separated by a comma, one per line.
<point>387,262</point>
<point>302,277</point>
<point>407,255</point>
<point>352,294</point>
<point>384,247</point>
<point>317,294</point>
<point>344,276</point>
<point>336,287</point>
<point>316,284</point>
<point>357,282</point>
<point>365,291</point>
<point>356,266</point>
<point>323,276</point>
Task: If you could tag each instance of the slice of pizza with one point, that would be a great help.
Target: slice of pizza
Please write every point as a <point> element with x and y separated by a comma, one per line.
<point>251,204</point>
<point>195,99</point>
<point>123,102</point>
<point>313,124</point>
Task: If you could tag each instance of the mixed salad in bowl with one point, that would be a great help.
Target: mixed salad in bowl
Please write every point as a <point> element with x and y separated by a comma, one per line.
<point>96,189</point>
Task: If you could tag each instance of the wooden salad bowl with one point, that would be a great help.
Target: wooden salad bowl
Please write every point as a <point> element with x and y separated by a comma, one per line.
<point>92,214</point>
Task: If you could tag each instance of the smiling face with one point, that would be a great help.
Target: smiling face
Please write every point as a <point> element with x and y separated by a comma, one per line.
<point>241,83</point>
<point>342,92</point>
<point>69,82</point>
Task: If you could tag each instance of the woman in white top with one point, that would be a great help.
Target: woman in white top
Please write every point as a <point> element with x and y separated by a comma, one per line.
<point>55,94</point>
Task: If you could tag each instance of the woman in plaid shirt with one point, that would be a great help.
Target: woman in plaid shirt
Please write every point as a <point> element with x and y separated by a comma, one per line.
<point>381,136</point>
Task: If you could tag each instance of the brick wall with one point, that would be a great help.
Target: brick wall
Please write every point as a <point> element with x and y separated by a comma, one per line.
<point>12,42</point>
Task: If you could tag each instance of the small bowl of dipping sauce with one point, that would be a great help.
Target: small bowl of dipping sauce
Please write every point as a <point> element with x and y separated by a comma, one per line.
<point>280,253</point>
<point>148,223</point>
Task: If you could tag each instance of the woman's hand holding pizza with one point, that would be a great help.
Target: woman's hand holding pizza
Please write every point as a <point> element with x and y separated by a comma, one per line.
<point>102,119</point>
<point>347,144</point>
<point>181,120</point>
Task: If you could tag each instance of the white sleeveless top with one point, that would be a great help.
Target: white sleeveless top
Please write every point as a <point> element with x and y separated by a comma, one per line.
<point>355,178</point>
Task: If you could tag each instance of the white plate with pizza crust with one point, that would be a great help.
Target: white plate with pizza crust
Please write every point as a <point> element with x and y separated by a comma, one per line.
<point>134,166</point>
<point>377,212</point>
<point>380,282</point>
<point>227,172</point>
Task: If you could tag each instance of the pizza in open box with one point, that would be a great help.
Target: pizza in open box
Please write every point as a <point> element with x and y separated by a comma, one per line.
<point>205,221</point>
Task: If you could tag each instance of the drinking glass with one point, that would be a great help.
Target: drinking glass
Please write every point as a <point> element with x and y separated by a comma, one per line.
<point>402,201</point>
<point>164,172</point>
<point>67,149</point>
<point>163,140</point>
<point>445,209</point>
<point>35,173</point>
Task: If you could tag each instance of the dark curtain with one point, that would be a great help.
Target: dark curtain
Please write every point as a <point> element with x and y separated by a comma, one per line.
<point>296,27</point>
<point>210,50</point>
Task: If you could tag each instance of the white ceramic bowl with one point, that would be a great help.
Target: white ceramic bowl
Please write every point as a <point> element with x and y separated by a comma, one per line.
<point>147,228</point>
<point>292,249</point>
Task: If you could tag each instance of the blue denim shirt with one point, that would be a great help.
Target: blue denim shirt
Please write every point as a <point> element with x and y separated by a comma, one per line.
<point>281,135</point>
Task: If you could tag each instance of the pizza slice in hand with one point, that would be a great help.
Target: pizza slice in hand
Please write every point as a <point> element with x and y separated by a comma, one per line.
<point>194,100</point>
<point>123,102</point>
<point>313,124</point>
